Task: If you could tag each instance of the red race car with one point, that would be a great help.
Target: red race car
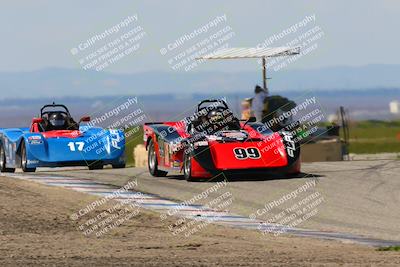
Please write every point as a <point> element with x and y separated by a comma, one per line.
<point>213,141</point>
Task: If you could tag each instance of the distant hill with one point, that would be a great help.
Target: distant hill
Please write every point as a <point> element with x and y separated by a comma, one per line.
<point>60,82</point>
<point>362,104</point>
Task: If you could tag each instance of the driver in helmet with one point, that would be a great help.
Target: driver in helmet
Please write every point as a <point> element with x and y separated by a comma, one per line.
<point>222,120</point>
<point>216,117</point>
<point>57,121</point>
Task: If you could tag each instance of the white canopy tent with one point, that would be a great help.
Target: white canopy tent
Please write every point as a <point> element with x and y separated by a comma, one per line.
<point>263,53</point>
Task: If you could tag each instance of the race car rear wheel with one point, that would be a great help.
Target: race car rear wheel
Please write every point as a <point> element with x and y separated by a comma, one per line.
<point>96,166</point>
<point>153,163</point>
<point>119,166</point>
<point>3,161</point>
<point>24,160</point>
<point>187,166</point>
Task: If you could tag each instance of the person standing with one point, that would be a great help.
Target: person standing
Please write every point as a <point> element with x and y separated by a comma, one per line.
<point>246,109</point>
<point>257,104</point>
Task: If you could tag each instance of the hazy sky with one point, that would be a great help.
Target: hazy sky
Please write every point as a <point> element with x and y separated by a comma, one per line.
<point>39,34</point>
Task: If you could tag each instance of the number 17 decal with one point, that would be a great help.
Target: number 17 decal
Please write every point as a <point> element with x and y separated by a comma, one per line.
<point>245,153</point>
<point>73,146</point>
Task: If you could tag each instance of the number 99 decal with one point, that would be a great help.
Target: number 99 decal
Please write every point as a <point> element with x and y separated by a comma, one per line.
<point>246,153</point>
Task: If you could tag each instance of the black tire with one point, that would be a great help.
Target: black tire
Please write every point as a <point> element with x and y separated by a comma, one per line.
<point>187,166</point>
<point>152,162</point>
<point>24,160</point>
<point>96,166</point>
<point>119,166</point>
<point>294,171</point>
<point>3,161</point>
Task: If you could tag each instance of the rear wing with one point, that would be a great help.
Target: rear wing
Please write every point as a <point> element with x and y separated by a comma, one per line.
<point>13,134</point>
<point>166,123</point>
<point>23,129</point>
<point>153,123</point>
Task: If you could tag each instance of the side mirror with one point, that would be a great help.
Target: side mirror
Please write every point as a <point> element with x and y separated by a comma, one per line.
<point>85,119</point>
<point>251,119</point>
<point>37,120</point>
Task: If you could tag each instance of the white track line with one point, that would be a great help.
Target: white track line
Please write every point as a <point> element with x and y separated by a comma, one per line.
<point>197,212</point>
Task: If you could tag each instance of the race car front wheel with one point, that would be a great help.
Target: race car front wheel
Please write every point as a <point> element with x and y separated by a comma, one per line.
<point>24,160</point>
<point>187,166</point>
<point>153,163</point>
<point>3,161</point>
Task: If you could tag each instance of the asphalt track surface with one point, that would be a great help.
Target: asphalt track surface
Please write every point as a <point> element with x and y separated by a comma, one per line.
<point>360,198</point>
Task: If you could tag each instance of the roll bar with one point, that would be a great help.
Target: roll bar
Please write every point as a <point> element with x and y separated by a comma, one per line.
<point>53,106</point>
<point>211,101</point>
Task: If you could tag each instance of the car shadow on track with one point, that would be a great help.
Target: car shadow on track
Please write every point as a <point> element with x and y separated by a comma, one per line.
<point>267,177</point>
<point>250,177</point>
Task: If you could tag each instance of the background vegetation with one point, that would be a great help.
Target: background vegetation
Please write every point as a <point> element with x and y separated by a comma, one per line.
<point>374,136</point>
<point>135,138</point>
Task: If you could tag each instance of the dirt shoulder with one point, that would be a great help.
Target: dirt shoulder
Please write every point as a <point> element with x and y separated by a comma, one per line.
<point>36,229</point>
<point>360,197</point>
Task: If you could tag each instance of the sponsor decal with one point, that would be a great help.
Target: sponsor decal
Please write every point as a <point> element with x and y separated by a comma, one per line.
<point>166,152</point>
<point>200,143</point>
<point>290,147</point>
<point>35,137</point>
<point>35,140</point>
<point>175,147</point>
<point>113,140</point>
<point>235,135</point>
<point>176,163</point>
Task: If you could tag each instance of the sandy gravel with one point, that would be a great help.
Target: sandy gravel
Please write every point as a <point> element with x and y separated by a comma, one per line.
<point>36,229</point>
<point>360,197</point>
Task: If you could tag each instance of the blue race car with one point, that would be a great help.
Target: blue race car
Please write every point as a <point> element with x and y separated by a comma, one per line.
<point>56,140</point>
